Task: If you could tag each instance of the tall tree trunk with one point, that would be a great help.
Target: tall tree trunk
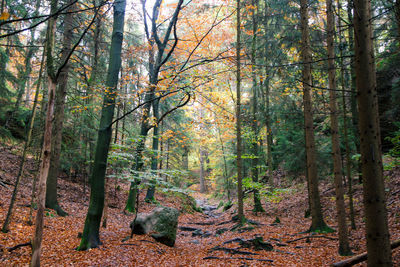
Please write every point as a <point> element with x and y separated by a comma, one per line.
<point>344,248</point>
<point>254,124</point>
<point>90,237</point>
<point>377,232</point>
<point>62,83</point>
<point>318,223</point>
<point>345,122</point>
<point>238,118</point>
<point>46,149</point>
<point>353,100</point>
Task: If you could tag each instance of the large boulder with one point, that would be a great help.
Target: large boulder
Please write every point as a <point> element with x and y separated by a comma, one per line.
<point>161,223</point>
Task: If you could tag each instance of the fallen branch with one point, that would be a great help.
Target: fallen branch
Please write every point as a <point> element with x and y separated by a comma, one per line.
<point>204,223</point>
<point>311,236</point>
<point>225,222</point>
<point>129,244</point>
<point>188,229</point>
<point>232,251</point>
<point>361,257</point>
<point>20,246</point>
<point>237,258</point>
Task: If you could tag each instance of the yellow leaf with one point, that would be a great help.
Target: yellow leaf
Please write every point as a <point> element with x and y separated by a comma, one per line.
<point>5,16</point>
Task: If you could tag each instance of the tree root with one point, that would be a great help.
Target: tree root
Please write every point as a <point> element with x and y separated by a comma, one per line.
<point>236,258</point>
<point>232,250</point>
<point>360,258</point>
<point>311,236</point>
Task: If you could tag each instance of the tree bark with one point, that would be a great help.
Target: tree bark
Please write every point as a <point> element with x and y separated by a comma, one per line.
<point>254,124</point>
<point>353,100</point>
<point>377,232</point>
<point>238,118</point>
<point>345,122</point>
<point>344,248</point>
<point>318,222</point>
<point>62,83</point>
<point>90,237</point>
<point>46,149</point>
<point>203,187</point>
<point>154,158</point>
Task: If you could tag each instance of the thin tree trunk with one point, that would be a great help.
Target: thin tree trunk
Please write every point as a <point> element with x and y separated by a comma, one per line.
<point>7,221</point>
<point>90,237</point>
<point>226,179</point>
<point>377,232</point>
<point>353,99</point>
<point>238,118</point>
<point>254,124</point>
<point>30,50</point>
<point>203,187</point>
<point>344,248</point>
<point>345,124</point>
<point>318,223</point>
<point>138,164</point>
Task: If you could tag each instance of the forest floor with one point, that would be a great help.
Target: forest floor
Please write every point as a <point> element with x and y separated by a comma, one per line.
<point>61,233</point>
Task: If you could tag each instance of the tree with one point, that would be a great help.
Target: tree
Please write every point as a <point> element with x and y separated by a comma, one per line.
<point>62,84</point>
<point>238,118</point>
<point>377,232</point>
<point>46,150</point>
<point>254,123</point>
<point>318,223</point>
<point>158,56</point>
<point>90,236</point>
<point>344,248</point>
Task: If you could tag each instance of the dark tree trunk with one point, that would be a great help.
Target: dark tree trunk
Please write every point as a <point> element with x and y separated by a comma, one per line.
<point>90,237</point>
